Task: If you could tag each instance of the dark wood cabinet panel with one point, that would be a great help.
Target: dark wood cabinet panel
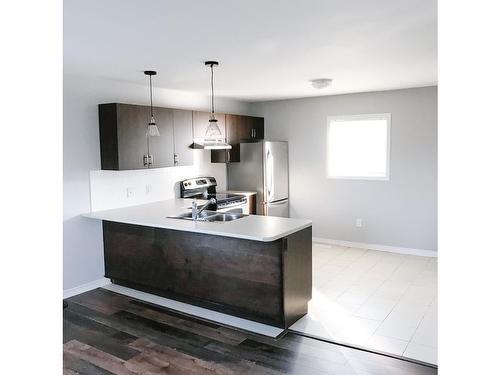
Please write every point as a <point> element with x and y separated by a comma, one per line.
<point>256,127</point>
<point>261,281</point>
<point>183,137</point>
<point>133,254</point>
<point>108,136</point>
<point>239,129</point>
<point>297,274</point>
<point>123,136</point>
<point>131,124</point>
<point>252,128</point>
<point>123,139</point>
<point>252,204</point>
<point>233,132</point>
<point>162,147</point>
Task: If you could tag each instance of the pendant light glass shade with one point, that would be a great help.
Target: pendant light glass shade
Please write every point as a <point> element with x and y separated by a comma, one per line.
<point>153,130</point>
<point>213,139</point>
<point>213,129</point>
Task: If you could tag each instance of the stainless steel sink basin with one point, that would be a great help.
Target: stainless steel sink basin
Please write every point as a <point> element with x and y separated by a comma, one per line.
<point>211,216</point>
<point>225,217</point>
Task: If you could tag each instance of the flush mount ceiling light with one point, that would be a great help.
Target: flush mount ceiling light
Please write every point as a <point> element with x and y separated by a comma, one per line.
<point>321,83</point>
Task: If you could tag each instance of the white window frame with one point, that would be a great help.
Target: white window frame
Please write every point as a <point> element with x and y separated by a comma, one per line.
<point>371,116</point>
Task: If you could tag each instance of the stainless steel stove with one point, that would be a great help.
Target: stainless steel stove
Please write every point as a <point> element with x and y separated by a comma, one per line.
<point>205,188</point>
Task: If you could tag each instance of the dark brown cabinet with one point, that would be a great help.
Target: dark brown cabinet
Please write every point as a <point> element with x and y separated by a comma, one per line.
<point>252,128</point>
<point>239,129</point>
<point>123,139</point>
<point>233,136</point>
<point>183,137</point>
<point>268,282</point>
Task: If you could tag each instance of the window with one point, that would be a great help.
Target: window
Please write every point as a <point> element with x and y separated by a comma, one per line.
<point>359,146</point>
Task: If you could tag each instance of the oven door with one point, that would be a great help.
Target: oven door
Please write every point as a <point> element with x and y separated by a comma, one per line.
<point>239,208</point>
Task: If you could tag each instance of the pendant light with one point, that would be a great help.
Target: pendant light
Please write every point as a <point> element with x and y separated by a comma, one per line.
<point>213,139</point>
<point>213,129</point>
<point>152,130</point>
<point>152,127</point>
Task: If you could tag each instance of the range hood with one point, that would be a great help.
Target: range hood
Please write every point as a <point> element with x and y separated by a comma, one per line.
<point>211,144</point>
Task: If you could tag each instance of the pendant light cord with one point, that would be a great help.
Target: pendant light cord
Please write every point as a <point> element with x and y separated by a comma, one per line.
<point>151,95</point>
<point>212,83</point>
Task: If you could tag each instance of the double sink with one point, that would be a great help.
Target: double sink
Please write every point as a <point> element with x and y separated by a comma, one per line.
<point>210,216</point>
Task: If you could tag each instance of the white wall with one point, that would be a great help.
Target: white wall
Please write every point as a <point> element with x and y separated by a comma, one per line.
<point>83,253</point>
<point>108,189</point>
<point>401,212</point>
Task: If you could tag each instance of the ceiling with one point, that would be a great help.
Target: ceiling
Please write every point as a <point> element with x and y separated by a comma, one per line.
<point>267,49</point>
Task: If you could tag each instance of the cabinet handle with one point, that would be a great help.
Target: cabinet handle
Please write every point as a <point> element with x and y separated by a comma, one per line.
<point>147,160</point>
<point>253,133</point>
<point>176,159</point>
<point>228,156</point>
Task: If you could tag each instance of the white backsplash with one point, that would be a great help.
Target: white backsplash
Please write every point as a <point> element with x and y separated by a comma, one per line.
<point>114,189</point>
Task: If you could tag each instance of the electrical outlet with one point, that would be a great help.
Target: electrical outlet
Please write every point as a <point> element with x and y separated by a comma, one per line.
<point>130,192</point>
<point>359,223</point>
<point>149,188</point>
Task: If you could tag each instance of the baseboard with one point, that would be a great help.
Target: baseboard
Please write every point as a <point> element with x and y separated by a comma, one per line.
<point>200,312</point>
<point>85,287</point>
<point>391,249</point>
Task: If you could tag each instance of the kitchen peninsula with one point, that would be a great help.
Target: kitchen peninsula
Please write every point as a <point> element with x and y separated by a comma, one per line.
<point>255,267</point>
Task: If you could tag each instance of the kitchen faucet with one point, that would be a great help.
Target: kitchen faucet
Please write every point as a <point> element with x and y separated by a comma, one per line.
<point>196,211</point>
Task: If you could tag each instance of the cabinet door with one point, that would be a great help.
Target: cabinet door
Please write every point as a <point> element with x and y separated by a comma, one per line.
<point>162,147</point>
<point>200,123</point>
<point>251,128</point>
<point>233,132</point>
<point>256,127</point>
<point>183,137</point>
<point>132,123</point>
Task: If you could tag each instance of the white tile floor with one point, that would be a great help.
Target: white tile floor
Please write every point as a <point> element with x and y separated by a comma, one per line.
<point>374,299</point>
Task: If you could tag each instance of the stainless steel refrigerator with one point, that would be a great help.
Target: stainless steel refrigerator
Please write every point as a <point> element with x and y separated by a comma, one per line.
<point>263,168</point>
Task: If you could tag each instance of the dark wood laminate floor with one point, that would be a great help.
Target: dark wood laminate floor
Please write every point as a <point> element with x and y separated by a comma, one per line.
<point>108,333</point>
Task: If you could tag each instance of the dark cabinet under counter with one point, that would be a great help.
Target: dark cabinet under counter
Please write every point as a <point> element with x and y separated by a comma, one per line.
<point>268,282</point>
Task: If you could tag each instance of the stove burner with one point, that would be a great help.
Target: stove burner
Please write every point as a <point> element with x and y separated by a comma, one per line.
<point>205,188</point>
<point>223,197</point>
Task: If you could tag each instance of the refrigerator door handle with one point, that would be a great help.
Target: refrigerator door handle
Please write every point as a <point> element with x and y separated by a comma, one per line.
<point>278,208</point>
<point>270,175</point>
<point>278,203</point>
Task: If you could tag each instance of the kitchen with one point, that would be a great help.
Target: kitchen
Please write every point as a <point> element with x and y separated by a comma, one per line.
<point>198,188</point>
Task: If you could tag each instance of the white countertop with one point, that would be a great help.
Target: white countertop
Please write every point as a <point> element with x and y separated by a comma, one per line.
<point>252,227</point>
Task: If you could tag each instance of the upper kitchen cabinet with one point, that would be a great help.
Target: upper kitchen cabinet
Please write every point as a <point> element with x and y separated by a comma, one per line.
<point>239,129</point>
<point>233,136</point>
<point>161,148</point>
<point>183,137</point>
<point>252,128</point>
<point>123,136</point>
